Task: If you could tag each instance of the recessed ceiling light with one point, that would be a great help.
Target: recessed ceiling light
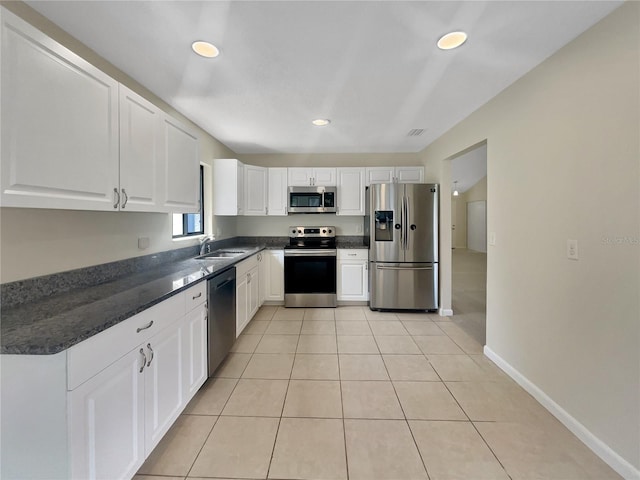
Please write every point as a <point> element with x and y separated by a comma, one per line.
<point>321,122</point>
<point>452,40</point>
<point>205,49</point>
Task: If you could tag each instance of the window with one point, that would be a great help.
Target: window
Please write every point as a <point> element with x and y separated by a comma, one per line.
<point>187,224</point>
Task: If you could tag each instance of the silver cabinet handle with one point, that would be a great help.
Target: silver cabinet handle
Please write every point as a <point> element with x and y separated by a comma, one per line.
<point>145,327</point>
<point>196,296</point>
<point>150,350</point>
<point>144,360</point>
<point>248,278</point>
<point>117,198</point>
<point>126,198</point>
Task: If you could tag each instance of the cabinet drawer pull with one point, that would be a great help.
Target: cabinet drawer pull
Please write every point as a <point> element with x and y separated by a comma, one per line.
<point>116,197</point>
<point>145,327</point>
<point>144,360</point>
<point>196,296</point>
<point>126,198</point>
<point>150,350</point>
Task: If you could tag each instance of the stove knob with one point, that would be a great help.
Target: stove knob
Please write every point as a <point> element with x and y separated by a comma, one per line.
<point>329,230</point>
<point>300,232</point>
<point>324,231</point>
<point>293,231</point>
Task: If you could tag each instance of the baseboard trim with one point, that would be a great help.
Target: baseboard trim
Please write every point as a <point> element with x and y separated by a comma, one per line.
<point>615,461</point>
<point>445,312</point>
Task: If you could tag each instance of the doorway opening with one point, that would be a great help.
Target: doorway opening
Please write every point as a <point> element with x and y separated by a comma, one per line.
<point>469,242</point>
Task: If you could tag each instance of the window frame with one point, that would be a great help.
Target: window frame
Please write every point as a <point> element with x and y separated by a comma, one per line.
<point>185,216</point>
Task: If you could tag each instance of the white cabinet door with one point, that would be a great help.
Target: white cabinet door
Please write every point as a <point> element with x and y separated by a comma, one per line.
<point>140,143</point>
<point>164,395</point>
<point>272,276</point>
<point>254,291</point>
<point>409,174</point>
<point>379,175</point>
<point>181,161</point>
<point>255,190</point>
<point>325,177</point>
<point>194,350</point>
<point>242,302</point>
<point>300,177</point>
<point>59,124</point>
<point>351,189</point>
<point>106,419</point>
<point>277,191</point>
<point>228,186</point>
<point>353,275</point>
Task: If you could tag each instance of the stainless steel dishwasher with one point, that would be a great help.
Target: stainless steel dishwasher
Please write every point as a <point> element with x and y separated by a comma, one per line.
<point>222,316</point>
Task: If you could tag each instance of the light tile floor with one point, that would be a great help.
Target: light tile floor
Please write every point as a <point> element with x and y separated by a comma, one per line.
<point>348,393</point>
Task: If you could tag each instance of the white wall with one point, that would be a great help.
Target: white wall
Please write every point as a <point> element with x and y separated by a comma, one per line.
<point>37,242</point>
<point>563,162</point>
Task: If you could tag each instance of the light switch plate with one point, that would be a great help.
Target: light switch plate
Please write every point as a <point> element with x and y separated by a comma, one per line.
<point>143,243</point>
<point>492,238</point>
<point>572,249</point>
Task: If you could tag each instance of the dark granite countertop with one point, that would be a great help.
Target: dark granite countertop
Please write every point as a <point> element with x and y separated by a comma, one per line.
<point>49,314</point>
<point>54,323</point>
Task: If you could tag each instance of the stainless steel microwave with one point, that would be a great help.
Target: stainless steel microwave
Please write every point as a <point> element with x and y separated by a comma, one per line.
<point>312,199</point>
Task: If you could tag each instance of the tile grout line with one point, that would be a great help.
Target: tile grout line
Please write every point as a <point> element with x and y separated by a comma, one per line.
<point>406,421</point>
<point>223,407</point>
<point>284,402</point>
<point>344,426</point>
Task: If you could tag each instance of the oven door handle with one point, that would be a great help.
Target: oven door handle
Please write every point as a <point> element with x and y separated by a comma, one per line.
<point>310,252</point>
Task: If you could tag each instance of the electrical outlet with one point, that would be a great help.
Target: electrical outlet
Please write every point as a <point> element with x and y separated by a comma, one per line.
<point>358,228</point>
<point>572,249</point>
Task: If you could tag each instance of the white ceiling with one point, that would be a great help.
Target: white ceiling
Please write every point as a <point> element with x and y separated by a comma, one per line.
<point>372,67</point>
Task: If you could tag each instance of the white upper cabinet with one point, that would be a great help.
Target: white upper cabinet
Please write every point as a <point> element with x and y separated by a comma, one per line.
<point>351,190</point>
<point>228,187</point>
<point>255,190</point>
<point>73,138</point>
<point>59,124</point>
<point>410,174</point>
<point>394,175</point>
<point>140,161</point>
<point>277,191</point>
<point>305,177</point>
<point>181,162</point>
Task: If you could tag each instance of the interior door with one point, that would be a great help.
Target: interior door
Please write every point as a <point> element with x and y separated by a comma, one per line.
<point>421,225</point>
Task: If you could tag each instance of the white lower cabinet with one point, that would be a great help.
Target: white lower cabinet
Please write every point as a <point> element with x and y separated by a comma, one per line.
<point>247,291</point>
<point>109,410</point>
<point>353,275</point>
<point>272,276</point>
<point>106,415</point>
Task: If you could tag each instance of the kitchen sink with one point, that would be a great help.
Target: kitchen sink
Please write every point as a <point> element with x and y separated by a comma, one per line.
<point>221,254</point>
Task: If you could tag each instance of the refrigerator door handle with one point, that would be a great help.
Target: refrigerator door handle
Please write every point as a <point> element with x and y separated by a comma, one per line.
<point>406,223</point>
<point>381,267</point>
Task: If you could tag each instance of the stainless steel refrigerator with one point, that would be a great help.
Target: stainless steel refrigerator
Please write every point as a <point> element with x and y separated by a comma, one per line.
<point>401,227</point>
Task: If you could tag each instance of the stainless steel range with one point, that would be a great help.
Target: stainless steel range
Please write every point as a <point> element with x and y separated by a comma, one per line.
<point>310,267</point>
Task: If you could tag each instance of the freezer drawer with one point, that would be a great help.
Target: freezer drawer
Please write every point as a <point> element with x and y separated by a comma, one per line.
<point>403,286</point>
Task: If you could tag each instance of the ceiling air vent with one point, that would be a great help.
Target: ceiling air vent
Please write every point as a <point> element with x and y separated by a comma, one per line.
<point>416,132</point>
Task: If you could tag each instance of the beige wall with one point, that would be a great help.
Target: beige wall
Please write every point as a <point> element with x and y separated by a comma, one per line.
<point>475,193</point>
<point>37,242</point>
<point>563,163</point>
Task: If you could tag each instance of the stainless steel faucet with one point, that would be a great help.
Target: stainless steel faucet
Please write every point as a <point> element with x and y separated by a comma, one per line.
<point>205,247</point>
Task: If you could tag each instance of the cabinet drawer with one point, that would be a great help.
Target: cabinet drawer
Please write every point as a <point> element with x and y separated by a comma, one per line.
<point>89,357</point>
<point>353,254</point>
<point>244,266</point>
<point>196,296</point>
